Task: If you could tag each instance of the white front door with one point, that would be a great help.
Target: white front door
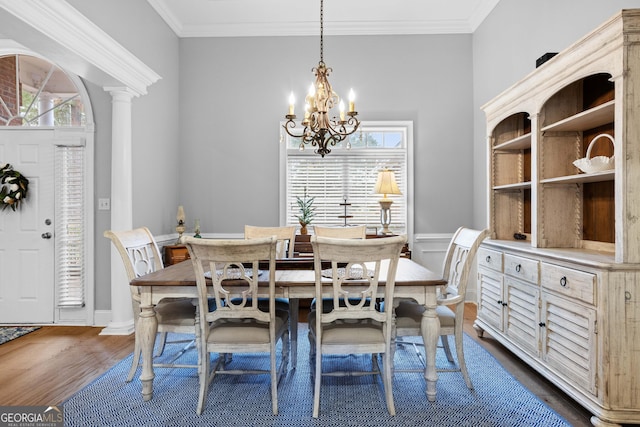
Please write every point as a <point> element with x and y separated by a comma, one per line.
<point>27,277</point>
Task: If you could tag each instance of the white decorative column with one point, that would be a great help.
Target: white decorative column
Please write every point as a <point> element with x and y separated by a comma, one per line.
<point>121,207</point>
<point>45,103</point>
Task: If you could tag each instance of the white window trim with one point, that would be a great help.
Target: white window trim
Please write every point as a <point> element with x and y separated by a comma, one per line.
<point>368,125</point>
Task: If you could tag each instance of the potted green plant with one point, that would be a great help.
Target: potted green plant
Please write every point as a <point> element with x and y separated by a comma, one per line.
<point>307,211</point>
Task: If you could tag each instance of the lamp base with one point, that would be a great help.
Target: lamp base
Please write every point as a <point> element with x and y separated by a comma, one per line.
<point>385,216</point>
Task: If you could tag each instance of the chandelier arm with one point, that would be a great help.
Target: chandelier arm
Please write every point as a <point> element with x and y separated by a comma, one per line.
<point>289,126</point>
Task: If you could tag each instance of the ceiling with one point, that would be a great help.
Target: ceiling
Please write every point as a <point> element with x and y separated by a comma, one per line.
<point>238,18</point>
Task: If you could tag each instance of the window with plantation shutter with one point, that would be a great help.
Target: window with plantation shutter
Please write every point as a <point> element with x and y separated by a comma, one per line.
<point>70,226</point>
<point>349,175</point>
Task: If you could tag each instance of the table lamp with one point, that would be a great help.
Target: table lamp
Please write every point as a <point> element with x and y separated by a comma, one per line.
<point>385,185</point>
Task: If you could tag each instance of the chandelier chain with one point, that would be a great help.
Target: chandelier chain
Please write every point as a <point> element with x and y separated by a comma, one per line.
<point>321,31</point>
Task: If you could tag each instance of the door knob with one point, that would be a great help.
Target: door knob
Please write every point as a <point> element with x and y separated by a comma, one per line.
<point>46,235</point>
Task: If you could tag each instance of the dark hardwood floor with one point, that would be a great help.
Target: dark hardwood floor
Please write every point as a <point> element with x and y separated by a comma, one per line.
<point>47,366</point>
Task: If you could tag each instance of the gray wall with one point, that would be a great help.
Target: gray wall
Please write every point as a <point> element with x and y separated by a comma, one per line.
<point>234,92</point>
<point>155,131</point>
<point>505,48</point>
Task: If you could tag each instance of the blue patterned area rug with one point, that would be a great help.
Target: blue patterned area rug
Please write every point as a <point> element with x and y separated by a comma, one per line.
<point>8,333</point>
<point>498,398</point>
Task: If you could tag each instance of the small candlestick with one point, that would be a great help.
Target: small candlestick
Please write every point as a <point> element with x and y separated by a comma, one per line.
<point>341,107</point>
<point>180,216</point>
<point>196,229</point>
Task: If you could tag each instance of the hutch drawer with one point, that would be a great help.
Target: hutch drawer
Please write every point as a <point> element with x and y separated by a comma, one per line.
<point>522,268</point>
<point>569,282</point>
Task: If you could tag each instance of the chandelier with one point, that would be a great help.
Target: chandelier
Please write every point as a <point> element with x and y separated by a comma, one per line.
<point>320,130</point>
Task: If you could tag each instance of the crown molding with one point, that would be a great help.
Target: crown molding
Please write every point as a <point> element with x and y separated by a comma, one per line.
<point>252,27</point>
<point>349,28</point>
<point>66,26</point>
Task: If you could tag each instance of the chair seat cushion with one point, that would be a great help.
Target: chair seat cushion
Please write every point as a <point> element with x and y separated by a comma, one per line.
<point>176,312</point>
<point>409,315</point>
<point>353,331</point>
<point>244,331</point>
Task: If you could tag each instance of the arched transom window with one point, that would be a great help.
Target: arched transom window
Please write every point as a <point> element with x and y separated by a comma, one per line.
<point>35,92</point>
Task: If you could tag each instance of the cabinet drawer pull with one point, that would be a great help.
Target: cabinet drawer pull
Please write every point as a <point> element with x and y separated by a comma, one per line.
<point>563,281</point>
<point>488,258</point>
<point>518,268</point>
<point>504,304</point>
<point>542,324</point>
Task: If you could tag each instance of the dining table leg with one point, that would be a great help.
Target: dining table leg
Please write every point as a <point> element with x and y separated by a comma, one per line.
<point>430,327</point>
<point>294,310</point>
<point>147,328</point>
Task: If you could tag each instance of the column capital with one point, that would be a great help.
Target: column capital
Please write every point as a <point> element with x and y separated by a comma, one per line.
<point>120,92</point>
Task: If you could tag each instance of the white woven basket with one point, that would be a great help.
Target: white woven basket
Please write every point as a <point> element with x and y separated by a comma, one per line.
<point>598,163</point>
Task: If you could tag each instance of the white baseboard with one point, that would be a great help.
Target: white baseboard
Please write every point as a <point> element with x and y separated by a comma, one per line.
<point>101,317</point>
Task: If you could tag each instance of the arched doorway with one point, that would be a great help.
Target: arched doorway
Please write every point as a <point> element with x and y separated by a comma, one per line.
<point>46,130</point>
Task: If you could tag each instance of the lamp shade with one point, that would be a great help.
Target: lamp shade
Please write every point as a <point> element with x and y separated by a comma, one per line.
<point>386,183</point>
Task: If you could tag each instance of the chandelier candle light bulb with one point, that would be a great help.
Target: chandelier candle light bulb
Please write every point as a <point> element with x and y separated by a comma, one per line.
<point>352,99</point>
<point>292,101</point>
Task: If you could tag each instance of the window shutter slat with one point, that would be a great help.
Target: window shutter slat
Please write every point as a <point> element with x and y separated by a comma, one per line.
<point>70,228</point>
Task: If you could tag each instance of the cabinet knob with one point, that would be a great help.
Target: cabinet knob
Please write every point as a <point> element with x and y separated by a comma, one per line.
<point>504,304</point>
<point>499,301</point>
<point>518,268</point>
<point>563,281</point>
<point>488,258</point>
<point>542,324</point>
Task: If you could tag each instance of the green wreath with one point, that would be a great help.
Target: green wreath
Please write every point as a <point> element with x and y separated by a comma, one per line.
<point>13,187</point>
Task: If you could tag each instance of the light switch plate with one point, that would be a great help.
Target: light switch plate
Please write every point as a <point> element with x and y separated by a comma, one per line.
<point>104,204</point>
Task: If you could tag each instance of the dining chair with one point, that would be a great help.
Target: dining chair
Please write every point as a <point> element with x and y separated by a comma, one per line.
<point>140,256</point>
<point>457,265</point>
<point>238,325</point>
<point>286,238</point>
<point>351,232</point>
<point>354,327</point>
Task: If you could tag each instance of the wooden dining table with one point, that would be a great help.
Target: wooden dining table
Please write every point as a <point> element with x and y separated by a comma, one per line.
<point>295,279</point>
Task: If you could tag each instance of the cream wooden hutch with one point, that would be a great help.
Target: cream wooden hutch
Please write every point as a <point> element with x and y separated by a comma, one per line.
<point>566,299</point>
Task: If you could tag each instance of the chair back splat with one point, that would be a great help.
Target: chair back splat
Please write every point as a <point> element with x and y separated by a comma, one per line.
<point>353,325</point>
